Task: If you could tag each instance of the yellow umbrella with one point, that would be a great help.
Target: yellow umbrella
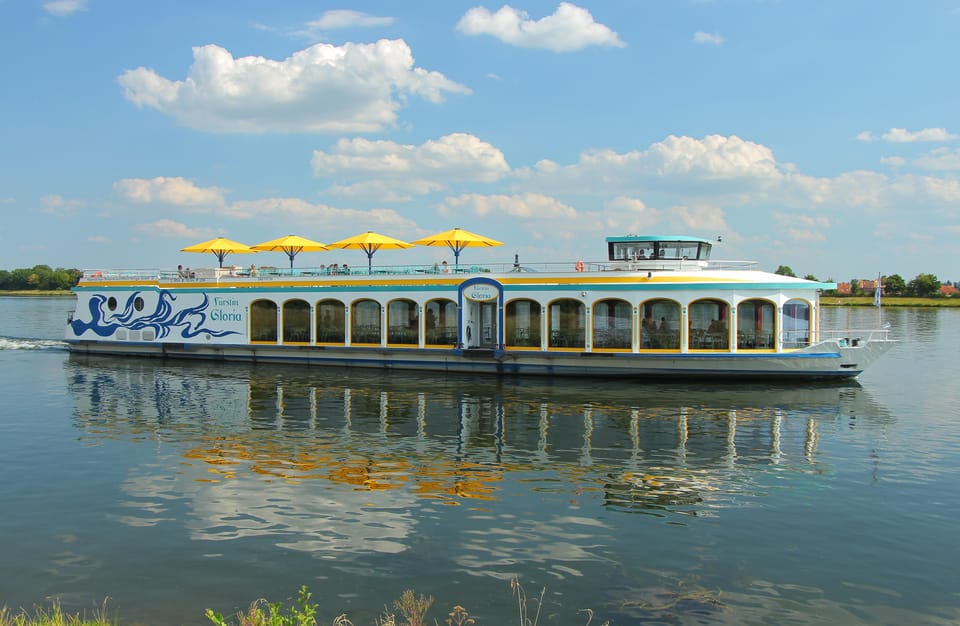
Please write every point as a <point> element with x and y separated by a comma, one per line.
<point>292,245</point>
<point>220,247</point>
<point>370,242</point>
<point>457,239</point>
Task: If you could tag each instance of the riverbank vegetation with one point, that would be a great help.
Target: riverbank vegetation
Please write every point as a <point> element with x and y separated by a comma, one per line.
<point>410,609</point>
<point>39,278</point>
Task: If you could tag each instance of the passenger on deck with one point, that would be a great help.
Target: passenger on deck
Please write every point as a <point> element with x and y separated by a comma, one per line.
<point>446,268</point>
<point>253,271</point>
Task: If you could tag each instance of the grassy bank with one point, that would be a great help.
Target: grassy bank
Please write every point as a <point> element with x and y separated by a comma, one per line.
<point>410,609</point>
<point>36,292</point>
<point>889,301</point>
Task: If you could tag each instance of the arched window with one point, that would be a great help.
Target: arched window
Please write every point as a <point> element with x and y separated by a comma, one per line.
<point>756,325</point>
<point>403,326</point>
<point>440,322</point>
<point>330,321</point>
<point>263,321</point>
<point>521,320</point>
<point>365,322</point>
<point>660,325</point>
<point>796,324</point>
<point>613,325</point>
<point>709,325</point>
<point>566,319</point>
<point>296,321</point>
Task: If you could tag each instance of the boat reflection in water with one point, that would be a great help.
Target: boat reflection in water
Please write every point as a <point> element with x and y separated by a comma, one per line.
<point>646,448</point>
<point>434,482</point>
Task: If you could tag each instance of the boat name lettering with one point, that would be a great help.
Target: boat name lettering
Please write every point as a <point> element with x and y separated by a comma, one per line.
<point>219,315</point>
<point>480,293</point>
<point>225,301</point>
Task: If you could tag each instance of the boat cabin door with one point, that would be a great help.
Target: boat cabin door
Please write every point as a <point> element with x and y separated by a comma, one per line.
<point>481,304</point>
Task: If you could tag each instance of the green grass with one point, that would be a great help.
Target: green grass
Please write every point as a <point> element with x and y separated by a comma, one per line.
<point>54,616</point>
<point>889,301</point>
<point>410,609</point>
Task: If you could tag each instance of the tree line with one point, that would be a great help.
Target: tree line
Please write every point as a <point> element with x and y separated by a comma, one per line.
<point>922,286</point>
<point>39,278</point>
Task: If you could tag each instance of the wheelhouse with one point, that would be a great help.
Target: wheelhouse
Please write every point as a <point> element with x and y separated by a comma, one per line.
<point>640,247</point>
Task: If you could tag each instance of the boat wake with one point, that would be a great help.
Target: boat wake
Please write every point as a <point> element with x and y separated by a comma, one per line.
<point>21,343</point>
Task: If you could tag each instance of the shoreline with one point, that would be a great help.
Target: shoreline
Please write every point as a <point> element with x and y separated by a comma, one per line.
<point>31,292</point>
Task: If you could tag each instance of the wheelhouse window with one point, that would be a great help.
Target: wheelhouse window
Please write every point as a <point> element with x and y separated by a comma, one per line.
<point>660,325</point>
<point>263,321</point>
<point>613,325</point>
<point>756,328</point>
<point>522,323</point>
<point>796,324</point>
<point>403,325</point>
<point>709,327</point>
<point>365,322</point>
<point>440,322</point>
<point>567,322</point>
<point>296,321</point>
<point>330,321</point>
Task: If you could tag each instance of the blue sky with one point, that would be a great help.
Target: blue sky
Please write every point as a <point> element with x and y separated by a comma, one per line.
<point>824,135</point>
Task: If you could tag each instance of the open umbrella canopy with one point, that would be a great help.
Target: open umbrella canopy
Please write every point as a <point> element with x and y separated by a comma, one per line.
<point>370,242</point>
<point>221,247</point>
<point>292,245</point>
<point>457,239</point>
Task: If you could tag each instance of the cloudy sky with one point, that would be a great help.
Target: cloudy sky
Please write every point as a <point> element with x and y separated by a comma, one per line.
<point>824,135</point>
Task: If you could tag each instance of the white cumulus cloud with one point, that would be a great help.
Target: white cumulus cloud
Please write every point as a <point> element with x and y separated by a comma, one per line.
<point>902,135</point>
<point>346,18</point>
<point>170,228</point>
<point>415,169</point>
<point>526,205</point>
<point>62,8</point>
<point>715,39</point>
<point>939,159</point>
<point>323,88</point>
<point>173,191</point>
<point>569,28</point>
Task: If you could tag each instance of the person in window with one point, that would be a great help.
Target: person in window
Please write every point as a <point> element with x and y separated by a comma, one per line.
<point>664,325</point>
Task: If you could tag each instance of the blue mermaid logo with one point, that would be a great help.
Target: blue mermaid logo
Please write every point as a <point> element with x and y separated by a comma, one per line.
<point>190,321</point>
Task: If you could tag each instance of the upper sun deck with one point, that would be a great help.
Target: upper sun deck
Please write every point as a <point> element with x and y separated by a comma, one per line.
<point>625,253</point>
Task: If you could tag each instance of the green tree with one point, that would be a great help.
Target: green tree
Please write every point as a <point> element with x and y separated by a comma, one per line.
<point>924,286</point>
<point>855,289</point>
<point>784,270</point>
<point>894,285</point>
<point>811,277</point>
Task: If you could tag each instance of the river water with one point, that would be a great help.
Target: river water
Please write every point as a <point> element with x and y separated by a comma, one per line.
<point>167,487</point>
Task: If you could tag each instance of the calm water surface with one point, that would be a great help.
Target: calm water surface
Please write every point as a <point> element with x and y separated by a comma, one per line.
<point>171,487</point>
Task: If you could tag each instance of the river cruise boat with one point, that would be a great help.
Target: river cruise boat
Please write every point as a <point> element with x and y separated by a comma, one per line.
<point>657,306</point>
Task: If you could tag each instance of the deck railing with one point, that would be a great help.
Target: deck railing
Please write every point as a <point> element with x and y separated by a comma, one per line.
<point>854,336</point>
<point>270,272</point>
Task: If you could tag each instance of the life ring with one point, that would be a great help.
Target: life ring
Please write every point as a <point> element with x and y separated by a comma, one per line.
<point>579,265</point>
<point>97,275</point>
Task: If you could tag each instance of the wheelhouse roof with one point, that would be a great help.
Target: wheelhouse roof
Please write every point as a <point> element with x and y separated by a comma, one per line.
<point>657,238</point>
